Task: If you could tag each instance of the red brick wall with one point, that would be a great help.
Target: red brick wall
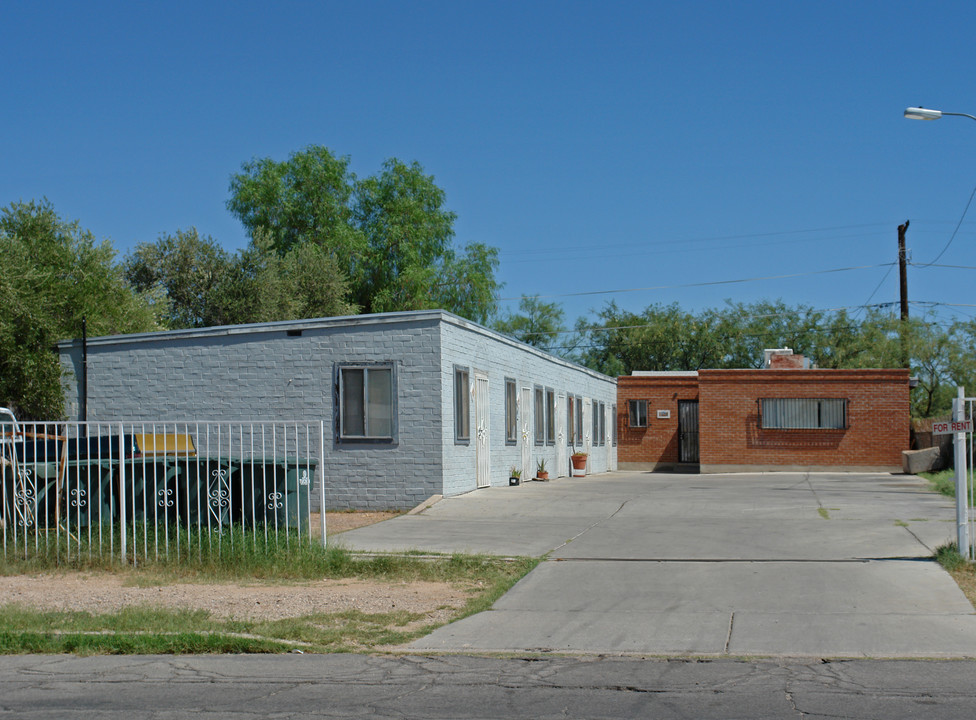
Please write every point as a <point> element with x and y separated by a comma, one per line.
<point>658,442</point>
<point>877,418</point>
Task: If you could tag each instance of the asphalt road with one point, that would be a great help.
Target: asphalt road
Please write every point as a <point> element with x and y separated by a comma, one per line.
<point>768,564</point>
<point>463,687</point>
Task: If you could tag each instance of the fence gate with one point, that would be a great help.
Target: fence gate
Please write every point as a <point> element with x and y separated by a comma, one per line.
<point>688,431</point>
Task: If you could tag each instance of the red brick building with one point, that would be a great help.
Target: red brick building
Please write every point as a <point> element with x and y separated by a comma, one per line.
<point>783,417</point>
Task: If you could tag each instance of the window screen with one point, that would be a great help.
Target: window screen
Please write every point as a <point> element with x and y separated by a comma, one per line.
<point>804,413</point>
<point>462,405</point>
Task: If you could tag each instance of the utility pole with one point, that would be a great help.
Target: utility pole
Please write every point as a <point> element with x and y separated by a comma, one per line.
<point>903,284</point>
<point>903,269</point>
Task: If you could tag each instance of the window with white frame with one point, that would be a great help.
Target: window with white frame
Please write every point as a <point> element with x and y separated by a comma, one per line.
<point>603,424</point>
<point>803,413</point>
<point>550,416</point>
<point>637,412</point>
<point>579,419</point>
<point>367,402</point>
<point>511,412</point>
<point>462,405</point>
<point>595,429</point>
<point>540,416</point>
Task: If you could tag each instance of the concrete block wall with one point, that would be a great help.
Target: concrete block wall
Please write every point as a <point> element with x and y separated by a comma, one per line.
<point>731,439</point>
<point>472,346</point>
<point>656,444</point>
<point>262,372</point>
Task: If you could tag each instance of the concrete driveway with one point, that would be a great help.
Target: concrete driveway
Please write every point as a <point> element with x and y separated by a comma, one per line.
<point>792,564</point>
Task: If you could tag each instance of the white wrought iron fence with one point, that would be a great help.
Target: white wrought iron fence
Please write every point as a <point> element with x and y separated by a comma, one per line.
<point>141,490</point>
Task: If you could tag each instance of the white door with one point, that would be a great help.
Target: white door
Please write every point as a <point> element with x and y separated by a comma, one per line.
<point>562,456</point>
<point>481,405</point>
<point>525,430</point>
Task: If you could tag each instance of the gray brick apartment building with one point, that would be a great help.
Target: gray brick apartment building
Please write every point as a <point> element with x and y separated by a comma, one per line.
<point>415,404</point>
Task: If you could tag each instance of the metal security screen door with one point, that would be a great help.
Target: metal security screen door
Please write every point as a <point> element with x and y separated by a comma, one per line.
<point>481,415</point>
<point>562,457</point>
<point>688,431</point>
<point>525,427</point>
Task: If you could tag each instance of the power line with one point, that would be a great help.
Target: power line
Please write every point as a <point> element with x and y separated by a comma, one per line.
<point>958,225</point>
<point>699,284</point>
<point>718,238</point>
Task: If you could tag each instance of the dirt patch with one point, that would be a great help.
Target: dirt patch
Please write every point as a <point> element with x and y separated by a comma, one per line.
<point>337,522</point>
<point>965,578</point>
<point>106,592</point>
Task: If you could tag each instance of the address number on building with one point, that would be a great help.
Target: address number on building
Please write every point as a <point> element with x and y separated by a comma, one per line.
<point>952,426</point>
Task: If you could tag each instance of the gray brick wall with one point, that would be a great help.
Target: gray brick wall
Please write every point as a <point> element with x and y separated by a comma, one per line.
<point>264,374</point>
<point>499,358</point>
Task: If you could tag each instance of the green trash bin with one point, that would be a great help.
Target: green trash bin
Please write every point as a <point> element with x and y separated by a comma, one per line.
<point>89,497</point>
<point>151,490</point>
<point>207,490</point>
<point>276,493</point>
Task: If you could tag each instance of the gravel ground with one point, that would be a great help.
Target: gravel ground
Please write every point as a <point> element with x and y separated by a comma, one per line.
<point>108,592</point>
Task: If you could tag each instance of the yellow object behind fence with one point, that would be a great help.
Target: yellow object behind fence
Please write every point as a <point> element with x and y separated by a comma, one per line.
<point>160,444</point>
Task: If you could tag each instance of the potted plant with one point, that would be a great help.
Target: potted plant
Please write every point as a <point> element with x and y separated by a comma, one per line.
<point>514,476</point>
<point>578,458</point>
<point>541,472</point>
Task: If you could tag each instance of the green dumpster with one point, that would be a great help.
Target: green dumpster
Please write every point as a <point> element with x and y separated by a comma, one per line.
<point>276,493</point>
<point>151,489</point>
<point>89,497</point>
<point>207,490</point>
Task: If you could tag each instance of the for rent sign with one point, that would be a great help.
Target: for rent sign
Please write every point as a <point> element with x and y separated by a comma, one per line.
<point>952,426</point>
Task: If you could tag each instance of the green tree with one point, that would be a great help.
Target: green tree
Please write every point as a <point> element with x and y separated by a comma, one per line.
<point>204,286</point>
<point>307,198</point>
<point>663,337</point>
<point>391,236</point>
<point>53,275</point>
<point>263,286</point>
<point>187,270</point>
<point>536,323</point>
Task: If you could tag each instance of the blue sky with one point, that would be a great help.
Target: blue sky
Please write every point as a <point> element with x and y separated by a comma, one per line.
<point>600,146</point>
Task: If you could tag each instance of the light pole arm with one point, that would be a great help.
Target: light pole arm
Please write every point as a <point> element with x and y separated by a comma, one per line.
<point>971,117</point>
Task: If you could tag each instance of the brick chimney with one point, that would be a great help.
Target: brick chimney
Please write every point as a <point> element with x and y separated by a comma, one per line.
<point>784,359</point>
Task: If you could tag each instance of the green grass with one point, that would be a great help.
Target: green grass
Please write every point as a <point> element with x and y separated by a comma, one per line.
<point>236,554</point>
<point>948,557</point>
<point>944,481</point>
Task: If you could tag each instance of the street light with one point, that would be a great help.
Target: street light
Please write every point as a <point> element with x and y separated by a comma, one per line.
<point>958,403</point>
<point>920,113</point>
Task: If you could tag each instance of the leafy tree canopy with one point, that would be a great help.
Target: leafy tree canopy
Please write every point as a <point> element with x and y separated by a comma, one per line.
<point>203,286</point>
<point>52,276</point>
<point>390,235</point>
<point>665,337</point>
<point>536,323</point>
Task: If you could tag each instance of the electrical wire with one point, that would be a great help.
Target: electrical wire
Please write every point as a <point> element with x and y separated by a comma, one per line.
<point>698,284</point>
<point>954,232</point>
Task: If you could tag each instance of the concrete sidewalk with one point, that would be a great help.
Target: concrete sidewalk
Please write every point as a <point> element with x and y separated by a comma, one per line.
<point>789,564</point>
